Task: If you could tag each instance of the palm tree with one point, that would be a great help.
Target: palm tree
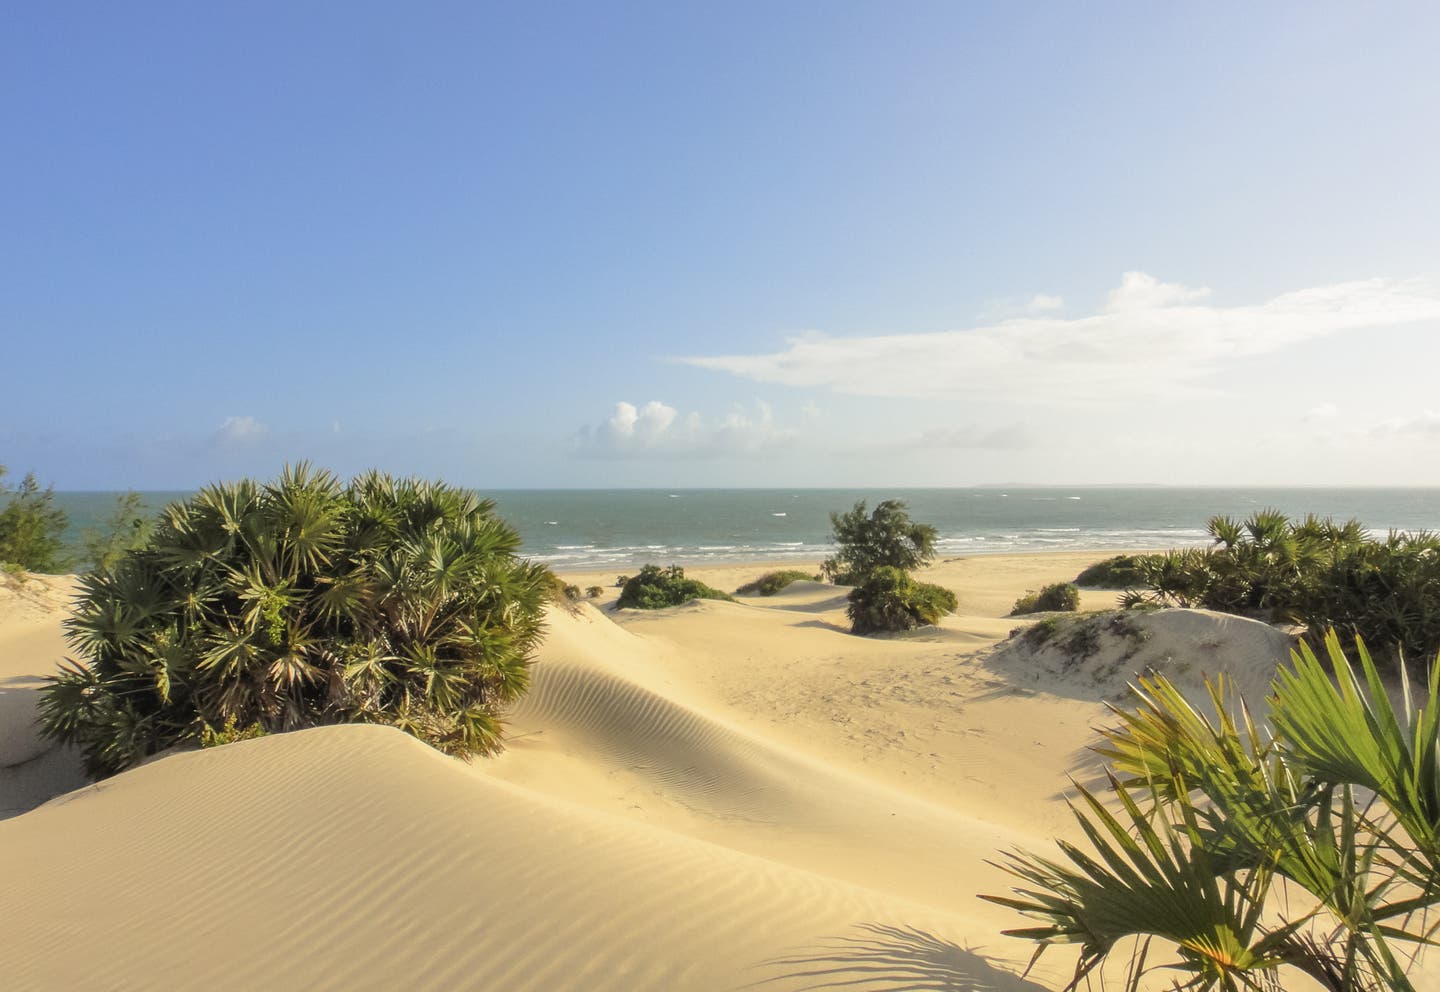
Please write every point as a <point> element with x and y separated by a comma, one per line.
<point>301,602</point>
<point>1312,845</point>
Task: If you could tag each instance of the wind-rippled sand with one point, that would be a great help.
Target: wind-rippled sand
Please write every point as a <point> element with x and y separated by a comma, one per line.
<point>717,796</point>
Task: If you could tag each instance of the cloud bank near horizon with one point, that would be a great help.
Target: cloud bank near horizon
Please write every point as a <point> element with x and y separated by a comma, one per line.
<point>656,430</point>
<point>1149,335</point>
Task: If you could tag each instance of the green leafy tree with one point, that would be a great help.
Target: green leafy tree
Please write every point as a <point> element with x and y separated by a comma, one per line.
<point>1252,854</point>
<point>31,526</point>
<point>300,602</point>
<point>126,530</point>
<point>889,600</point>
<point>885,537</point>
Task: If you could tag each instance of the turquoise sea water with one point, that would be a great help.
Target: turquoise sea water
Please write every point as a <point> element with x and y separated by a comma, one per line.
<point>621,529</point>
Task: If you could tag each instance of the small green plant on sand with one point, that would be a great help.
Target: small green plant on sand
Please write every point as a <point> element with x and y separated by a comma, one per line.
<point>655,588</point>
<point>229,734</point>
<point>890,601</point>
<point>772,582</point>
<point>594,592</point>
<point>1060,597</point>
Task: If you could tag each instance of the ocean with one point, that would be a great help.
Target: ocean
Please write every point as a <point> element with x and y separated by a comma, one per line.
<point>574,529</point>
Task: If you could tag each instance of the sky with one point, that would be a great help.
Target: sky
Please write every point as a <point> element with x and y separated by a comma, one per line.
<point>741,244</point>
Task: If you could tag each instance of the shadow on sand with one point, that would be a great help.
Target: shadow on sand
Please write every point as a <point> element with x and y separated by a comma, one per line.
<point>885,957</point>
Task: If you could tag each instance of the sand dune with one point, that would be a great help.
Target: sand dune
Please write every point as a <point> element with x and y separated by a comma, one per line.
<point>355,857</point>
<point>32,643</point>
<point>716,796</point>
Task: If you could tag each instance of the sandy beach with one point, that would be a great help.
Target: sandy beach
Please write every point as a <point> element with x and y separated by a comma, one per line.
<point>714,796</point>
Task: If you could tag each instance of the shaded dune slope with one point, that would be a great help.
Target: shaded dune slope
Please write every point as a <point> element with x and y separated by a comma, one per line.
<point>672,760</point>
<point>355,857</point>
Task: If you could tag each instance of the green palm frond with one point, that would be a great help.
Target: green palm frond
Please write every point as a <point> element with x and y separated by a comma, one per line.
<point>301,601</point>
<point>1223,825</point>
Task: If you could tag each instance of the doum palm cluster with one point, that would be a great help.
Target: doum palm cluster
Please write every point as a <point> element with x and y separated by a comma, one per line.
<point>257,608</point>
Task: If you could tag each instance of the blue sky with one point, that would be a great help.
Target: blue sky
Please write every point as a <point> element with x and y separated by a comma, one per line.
<point>725,244</point>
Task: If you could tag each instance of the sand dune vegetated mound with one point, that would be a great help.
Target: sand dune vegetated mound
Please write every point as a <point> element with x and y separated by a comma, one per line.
<point>713,796</point>
<point>1099,655</point>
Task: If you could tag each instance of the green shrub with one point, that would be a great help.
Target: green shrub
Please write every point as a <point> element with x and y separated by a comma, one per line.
<point>594,592</point>
<point>885,538</point>
<point>772,582</point>
<point>572,592</point>
<point>1059,597</point>
<point>1039,633</point>
<point>229,734</point>
<point>656,588</point>
<point>1119,572</point>
<point>302,602</point>
<point>30,526</point>
<point>1314,572</point>
<point>890,600</point>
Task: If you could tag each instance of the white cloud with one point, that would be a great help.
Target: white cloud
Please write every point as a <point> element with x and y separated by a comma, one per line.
<point>1425,427</point>
<point>240,430</point>
<point>1006,308</point>
<point>1151,340</point>
<point>1325,411</point>
<point>656,430</point>
<point>1014,437</point>
<point>1138,291</point>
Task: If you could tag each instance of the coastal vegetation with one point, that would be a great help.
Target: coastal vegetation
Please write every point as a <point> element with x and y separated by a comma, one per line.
<point>890,600</point>
<point>772,582</point>
<point>1118,572</point>
<point>876,553</point>
<point>1057,597</point>
<point>31,526</point>
<point>655,588</point>
<point>885,537</point>
<point>1312,572</point>
<point>127,528</point>
<point>1312,845</point>
<point>262,607</point>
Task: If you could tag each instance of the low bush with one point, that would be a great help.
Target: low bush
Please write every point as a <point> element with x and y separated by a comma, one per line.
<point>1119,572</point>
<point>656,588</point>
<point>890,600</point>
<point>772,582</point>
<point>1059,597</point>
<point>594,592</point>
